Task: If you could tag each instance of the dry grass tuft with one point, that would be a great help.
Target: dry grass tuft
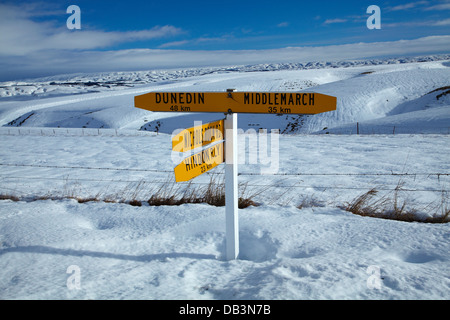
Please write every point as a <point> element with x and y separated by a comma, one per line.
<point>9,197</point>
<point>442,211</point>
<point>310,202</point>
<point>84,200</point>
<point>135,203</point>
<point>171,194</point>
<point>391,207</point>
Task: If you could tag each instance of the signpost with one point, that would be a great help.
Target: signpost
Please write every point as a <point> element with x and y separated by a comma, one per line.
<point>230,103</point>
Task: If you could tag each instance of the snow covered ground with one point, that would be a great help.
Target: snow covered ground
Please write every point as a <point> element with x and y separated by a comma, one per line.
<point>67,142</point>
<point>125,252</point>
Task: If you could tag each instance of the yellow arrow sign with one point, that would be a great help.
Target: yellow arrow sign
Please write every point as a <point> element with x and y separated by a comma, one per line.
<point>237,102</point>
<point>199,163</point>
<point>198,136</point>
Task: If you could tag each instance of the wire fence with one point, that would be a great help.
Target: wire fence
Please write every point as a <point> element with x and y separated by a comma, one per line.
<point>438,174</point>
<point>428,195</point>
<point>358,129</point>
<point>74,132</point>
<point>374,129</point>
<point>169,173</point>
<point>281,180</point>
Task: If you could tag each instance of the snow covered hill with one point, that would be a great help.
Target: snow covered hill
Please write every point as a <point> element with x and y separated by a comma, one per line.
<point>366,91</point>
<point>427,114</point>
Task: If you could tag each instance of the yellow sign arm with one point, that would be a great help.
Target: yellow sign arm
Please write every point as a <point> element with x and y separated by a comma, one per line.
<point>199,163</point>
<point>237,102</point>
<point>198,136</point>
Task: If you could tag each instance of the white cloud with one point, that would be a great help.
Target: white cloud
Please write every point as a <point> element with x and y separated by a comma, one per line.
<point>58,62</point>
<point>407,6</point>
<point>173,44</point>
<point>438,7</point>
<point>331,21</point>
<point>197,41</point>
<point>25,36</point>
<point>214,39</point>
<point>445,22</point>
<point>428,23</point>
<point>283,24</point>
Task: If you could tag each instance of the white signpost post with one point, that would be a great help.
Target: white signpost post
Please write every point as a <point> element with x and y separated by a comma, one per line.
<point>231,187</point>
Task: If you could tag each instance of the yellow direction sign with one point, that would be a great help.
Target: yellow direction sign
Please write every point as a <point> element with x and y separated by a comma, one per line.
<point>199,163</point>
<point>198,136</point>
<point>237,102</point>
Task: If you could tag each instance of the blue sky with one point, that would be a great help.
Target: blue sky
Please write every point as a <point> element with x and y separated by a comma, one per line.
<point>36,30</point>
